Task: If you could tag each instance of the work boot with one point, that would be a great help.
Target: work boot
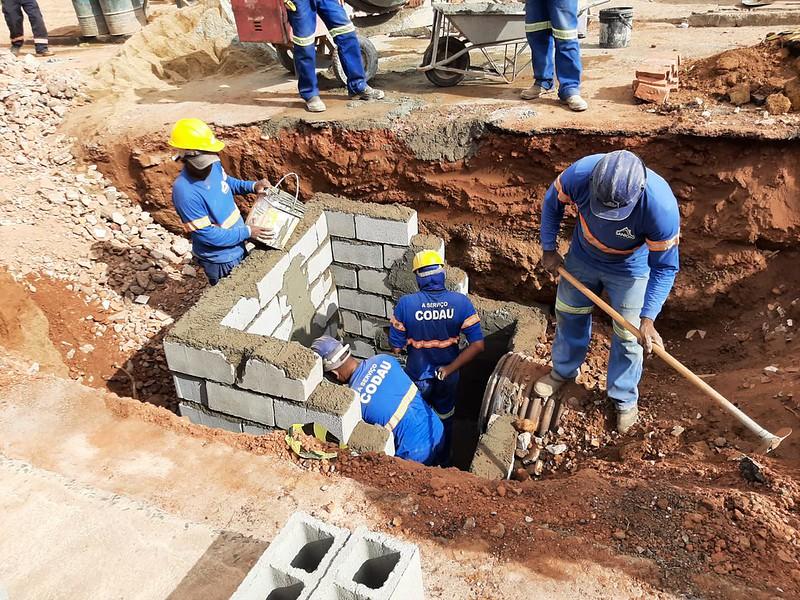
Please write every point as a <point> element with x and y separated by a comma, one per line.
<point>533,92</point>
<point>576,103</point>
<point>627,419</point>
<point>548,385</point>
<point>369,93</point>
<point>15,50</point>
<point>315,104</point>
<point>44,53</point>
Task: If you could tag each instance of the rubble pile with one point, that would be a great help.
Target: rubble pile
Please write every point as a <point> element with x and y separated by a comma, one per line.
<point>111,253</point>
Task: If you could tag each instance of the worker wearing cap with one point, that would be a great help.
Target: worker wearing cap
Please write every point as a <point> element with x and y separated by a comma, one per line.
<point>626,243</point>
<point>552,30</point>
<point>203,197</point>
<point>388,399</point>
<point>303,19</point>
<point>429,324</point>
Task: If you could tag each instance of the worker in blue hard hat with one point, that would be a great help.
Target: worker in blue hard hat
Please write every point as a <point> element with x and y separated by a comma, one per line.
<point>626,243</point>
<point>388,398</point>
<point>430,324</point>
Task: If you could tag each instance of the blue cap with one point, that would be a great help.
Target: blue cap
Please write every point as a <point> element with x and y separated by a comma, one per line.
<point>618,181</point>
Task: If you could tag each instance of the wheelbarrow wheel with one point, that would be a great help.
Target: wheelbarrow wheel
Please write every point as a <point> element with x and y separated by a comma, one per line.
<point>447,47</point>
<point>285,57</point>
<point>369,58</point>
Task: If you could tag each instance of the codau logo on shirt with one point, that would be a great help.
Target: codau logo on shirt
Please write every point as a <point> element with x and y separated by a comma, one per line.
<point>435,312</point>
<point>626,233</point>
<point>370,383</point>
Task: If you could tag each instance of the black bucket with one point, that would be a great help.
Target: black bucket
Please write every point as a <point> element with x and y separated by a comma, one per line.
<point>616,25</point>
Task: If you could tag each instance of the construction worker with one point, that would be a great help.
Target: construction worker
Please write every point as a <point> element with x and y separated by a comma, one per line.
<point>626,243</point>
<point>203,197</point>
<point>388,398</point>
<point>430,323</point>
<point>303,19</point>
<point>551,27</point>
<point>12,11</point>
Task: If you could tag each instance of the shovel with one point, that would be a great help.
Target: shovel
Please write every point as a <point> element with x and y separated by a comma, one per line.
<point>769,441</point>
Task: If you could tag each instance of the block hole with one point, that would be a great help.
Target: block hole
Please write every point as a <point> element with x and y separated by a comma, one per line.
<point>283,587</point>
<point>374,572</point>
<point>311,554</point>
<point>289,592</point>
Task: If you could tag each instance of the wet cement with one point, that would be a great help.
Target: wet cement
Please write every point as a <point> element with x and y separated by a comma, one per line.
<point>295,288</point>
<point>368,438</point>
<point>331,397</point>
<point>495,454</point>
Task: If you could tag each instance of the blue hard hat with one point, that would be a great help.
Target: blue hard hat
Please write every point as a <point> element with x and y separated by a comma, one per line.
<point>332,352</point>
<point>618,181</point>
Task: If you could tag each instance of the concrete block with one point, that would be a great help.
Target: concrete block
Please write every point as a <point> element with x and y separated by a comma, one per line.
<point>344,276</point>
<point>285,329</point>
<point>272,282</point>
<point>391,254</point>
<point>322,230</point>
<point>198,416</point>
<point>424,241</point>
<point>389,308</point>
<point>361,348</point>
<point>263,377</point>
<point>288,413</point>
<point>200,362</point>
<point>242,313</point>
<point>267,322</point>
<point>494,457</point>
<point>374,282</point>
<point>341,224</point>
<point>306,246</point>
<point>319,262</point>
<point>335,407</point>
<point>293,564</point>
<point>320,289</point>
<point>372,327</point>
<point>190,388</point>
<point>361,302</point>
<point>283,303</point>
<point>373,566</point>
<point>327,310</point>
<point>371,438</point>
<point>397,233</point>
<point>254,429</point>
<point>350,322</point>
<point>353,253</point>
<point>231,401</point>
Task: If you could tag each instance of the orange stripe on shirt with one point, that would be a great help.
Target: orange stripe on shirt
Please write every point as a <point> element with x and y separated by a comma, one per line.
<point>470,321</point>
<point>663,245</point>
<point>397,324</point>
<point>600,245</point>
<point>562,197</point>
<point>432,343</point>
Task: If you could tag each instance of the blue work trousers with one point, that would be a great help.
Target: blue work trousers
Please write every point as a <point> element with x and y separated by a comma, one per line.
<point>304,22</point>
<point>574,328</point>
<point>216,271</point>
<point>552,30</point>
<point>441,396</point>
<point>12,11</point>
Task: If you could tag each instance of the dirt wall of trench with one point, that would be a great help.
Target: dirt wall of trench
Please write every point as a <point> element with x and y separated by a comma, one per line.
<point>739,198</point>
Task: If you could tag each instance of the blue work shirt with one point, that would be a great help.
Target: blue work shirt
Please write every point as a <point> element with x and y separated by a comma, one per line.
<point>430,324</point>
<point>209,213</point>
<point>390,399</point>
<point>645,243</point>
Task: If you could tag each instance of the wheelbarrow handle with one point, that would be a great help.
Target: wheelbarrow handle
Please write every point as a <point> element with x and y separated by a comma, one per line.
<point>770,441</point>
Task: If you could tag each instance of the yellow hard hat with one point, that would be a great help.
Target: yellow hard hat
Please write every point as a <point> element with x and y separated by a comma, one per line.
<point>194,134</point>
<point>426,258</point>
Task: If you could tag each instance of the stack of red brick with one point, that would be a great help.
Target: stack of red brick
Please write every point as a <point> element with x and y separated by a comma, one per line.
<point>656,78</point>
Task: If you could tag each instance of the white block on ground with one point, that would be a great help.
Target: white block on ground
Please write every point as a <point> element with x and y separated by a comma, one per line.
<point>319,262</point>
<point>350,322</point>
<point>391,254</point>
<point>293,564</point>
<point>201,417</point>
<point>267,322</point>
<point>200,362</point>
<point>341,224</point>
<point>284,330</point>
<point>263,377</point>
<point>373,566</point>
<point>361,302</point>
<point>354,253</point>
<point>344,276</point>
<point>242,313</point>
<point>190,388</point>
<point>374,282</point>
<point>397,233</point>
<point>272,282</point>
<point>247,405</point>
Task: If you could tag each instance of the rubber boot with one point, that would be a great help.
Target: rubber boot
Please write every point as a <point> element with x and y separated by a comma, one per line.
<point>627,419</point>
<point>548,385</point>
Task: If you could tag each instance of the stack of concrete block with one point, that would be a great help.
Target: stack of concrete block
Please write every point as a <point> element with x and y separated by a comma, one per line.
<point>310,560</point>
<point>656,78</point>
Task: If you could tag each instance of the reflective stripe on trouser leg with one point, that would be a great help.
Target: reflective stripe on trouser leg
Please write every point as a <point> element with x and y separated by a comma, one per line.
<point>540,40</point>
<point>336,20</point>
<point>564,18</point>
<point>304,24</point>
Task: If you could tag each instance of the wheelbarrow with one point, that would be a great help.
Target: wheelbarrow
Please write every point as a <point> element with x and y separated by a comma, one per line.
<point>266,21</point>
<point>460,28</point>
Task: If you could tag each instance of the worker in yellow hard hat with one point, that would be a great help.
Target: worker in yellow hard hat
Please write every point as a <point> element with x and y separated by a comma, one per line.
<point>430,324</point>
<point>203,197</point>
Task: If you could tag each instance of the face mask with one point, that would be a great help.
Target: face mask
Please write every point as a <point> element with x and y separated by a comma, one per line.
<point>197,173</point>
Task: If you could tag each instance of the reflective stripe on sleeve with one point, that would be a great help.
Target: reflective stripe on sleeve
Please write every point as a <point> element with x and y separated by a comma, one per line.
<point>663,245</point>
<point>432,343</point>
<point>200,223</point>
<point>400,412</point>
<point>573,310</point>
<point>470,321</point>
<point>349,28</point>
<point>231,220</point>
<point>397,324</point>
<point>537,26</point>
<point>600,245</point>
<point>304,41</point>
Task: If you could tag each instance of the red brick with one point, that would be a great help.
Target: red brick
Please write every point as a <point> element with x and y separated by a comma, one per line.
<point>651,93</point>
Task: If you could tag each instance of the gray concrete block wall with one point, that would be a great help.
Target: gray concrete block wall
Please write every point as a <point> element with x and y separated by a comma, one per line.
<point>240,403</point>
<point>190,388</point>
<point>340,421</point>
<point>200,416</point>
